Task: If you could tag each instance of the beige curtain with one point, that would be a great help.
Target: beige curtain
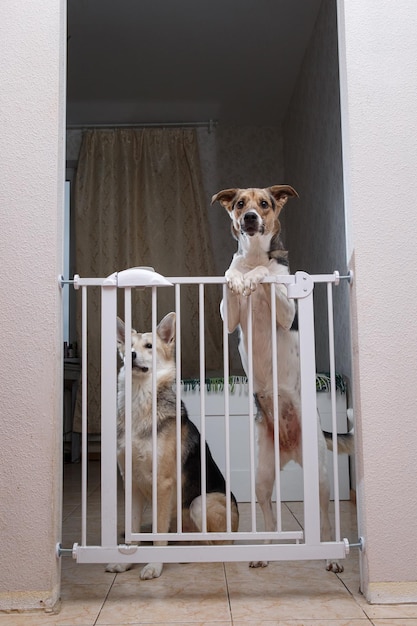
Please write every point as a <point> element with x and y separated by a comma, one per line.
<point>139,202</point>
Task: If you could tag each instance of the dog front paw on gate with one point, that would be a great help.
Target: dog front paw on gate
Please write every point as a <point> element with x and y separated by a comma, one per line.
<point>235,281</point>
<point>253,278</point>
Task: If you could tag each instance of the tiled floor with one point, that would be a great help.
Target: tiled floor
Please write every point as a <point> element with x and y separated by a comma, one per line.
<point>209,594</point>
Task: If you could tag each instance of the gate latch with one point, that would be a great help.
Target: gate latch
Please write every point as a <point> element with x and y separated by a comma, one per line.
<point>302,287</point>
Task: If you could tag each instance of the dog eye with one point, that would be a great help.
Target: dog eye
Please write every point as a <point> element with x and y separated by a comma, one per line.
<point>149,346</point>
<point>264,204</point>
<point>240,204</point>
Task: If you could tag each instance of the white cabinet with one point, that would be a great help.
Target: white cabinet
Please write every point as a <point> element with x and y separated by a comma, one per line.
<point>291,476</point>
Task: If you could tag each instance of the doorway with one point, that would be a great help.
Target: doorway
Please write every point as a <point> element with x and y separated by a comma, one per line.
<point>266,110</point>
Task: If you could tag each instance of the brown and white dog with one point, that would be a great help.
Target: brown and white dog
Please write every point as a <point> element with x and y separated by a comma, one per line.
<point>139,348</point>
<point>255,225</point>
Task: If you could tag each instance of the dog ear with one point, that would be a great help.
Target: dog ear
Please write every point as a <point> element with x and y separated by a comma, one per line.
<point>166,328</point>
<point>120,330</point>
<point>281,193</point>
<point>225,197</point>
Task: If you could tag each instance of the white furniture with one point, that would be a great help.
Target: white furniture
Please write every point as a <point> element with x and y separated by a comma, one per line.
<point>291,476</point>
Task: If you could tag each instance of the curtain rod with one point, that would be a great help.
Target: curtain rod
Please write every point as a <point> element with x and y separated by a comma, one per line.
<point>209,123</point>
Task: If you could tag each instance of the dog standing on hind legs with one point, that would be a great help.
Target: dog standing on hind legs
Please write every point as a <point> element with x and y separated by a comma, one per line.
<point>254,213</point>
<point>139,348</point>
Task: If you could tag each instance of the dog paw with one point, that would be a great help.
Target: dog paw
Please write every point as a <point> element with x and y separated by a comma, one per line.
<point>253,278</point>
<point>334,566</point>
<point>258,564</point>
<point>235,281</point>
<point>116,568</point>
<point>151,570</point>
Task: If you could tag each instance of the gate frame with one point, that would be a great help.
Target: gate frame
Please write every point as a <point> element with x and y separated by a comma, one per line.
<point>300,286</point>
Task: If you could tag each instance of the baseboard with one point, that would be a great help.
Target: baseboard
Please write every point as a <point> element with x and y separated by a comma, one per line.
<point>391,592</point>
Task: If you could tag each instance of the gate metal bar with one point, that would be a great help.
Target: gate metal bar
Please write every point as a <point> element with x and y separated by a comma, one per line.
<point>275,384</point>
<point>226,412</point>
<point>333,405</point>
<point>84,419</point>
<point>178,399</point>
<point>307,544</point>
<point>308,412</point>
<point>108,412</point>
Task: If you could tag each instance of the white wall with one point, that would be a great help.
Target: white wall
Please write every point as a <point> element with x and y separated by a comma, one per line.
<point>32,38</point>
<point>378,52</point>
<point>315,224</point>
<point>379,112</point>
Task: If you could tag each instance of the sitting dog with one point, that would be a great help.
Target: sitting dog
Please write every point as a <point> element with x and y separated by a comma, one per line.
<point>255,225</point>
<point>140,352</point>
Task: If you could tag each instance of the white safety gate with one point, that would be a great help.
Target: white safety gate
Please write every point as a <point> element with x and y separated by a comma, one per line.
<point>251,543</point>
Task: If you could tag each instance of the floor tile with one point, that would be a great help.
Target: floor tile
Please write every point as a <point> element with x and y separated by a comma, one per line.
<point>37,618</point>
<point>80,606</point>
<point>85,574</point>
<point>350,576</point>
<point>81,603</point>
<point>389,611</point>
<point>286,591</point>
<point>184,593</point>
<point>203,594</point>
<point>305,622</point>
<point>173,621</point>
<point>395,622</point>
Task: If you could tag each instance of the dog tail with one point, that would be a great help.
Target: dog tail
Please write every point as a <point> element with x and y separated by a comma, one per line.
<point>345,443</point>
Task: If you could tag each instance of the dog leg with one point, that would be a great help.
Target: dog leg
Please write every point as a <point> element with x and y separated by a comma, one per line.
<point>324,489</point>
<point>265,478</point>
<point>137,507</point>
<point>124,567</point>
<point>285,307</point>
<point>216,515</point>
<point>166,491</point>
<point>235,280</point>
<point>233,311</point>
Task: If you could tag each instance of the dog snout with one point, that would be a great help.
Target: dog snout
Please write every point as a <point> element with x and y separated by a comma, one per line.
<point>251,223</point>
<point>250,217</point>
<point>133,356</point>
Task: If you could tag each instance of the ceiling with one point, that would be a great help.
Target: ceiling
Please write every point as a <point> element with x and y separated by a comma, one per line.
<point>144,61</point>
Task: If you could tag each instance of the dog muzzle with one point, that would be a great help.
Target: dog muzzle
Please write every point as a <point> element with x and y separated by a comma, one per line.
<point>251,223</point>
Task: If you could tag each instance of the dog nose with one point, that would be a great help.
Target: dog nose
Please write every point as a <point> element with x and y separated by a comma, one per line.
<point>250,217</point>
<point>133,355</point>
